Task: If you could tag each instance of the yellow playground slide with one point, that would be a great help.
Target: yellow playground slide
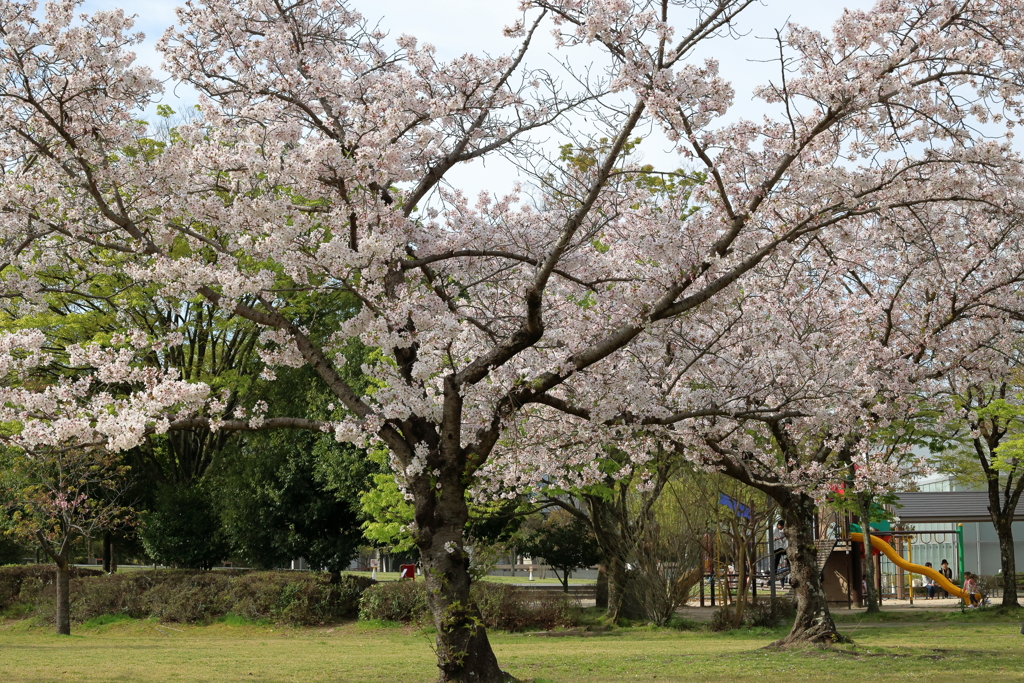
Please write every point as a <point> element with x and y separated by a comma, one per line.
<point>946,584</point>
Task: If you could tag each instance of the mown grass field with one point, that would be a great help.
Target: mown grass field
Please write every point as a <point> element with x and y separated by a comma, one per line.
<point>971,649</point>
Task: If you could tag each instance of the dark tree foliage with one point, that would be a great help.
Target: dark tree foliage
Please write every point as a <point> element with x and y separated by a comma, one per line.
<point>566,543</point>
<point>288,494</point>
<point>183,529</point>
<point>11,552</point>
<point>496,523</point>
<point>291,495</point>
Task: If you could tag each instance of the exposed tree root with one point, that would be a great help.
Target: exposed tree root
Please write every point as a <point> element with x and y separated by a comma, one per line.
<point>818,638</point>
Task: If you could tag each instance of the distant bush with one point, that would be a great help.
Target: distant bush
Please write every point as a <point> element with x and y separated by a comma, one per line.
<point>722,619</point>
<point>770,613</point>
<point>990,586</point>
<point>259,596</point>
<point>502,607</point>
<point>760,614</point>
<point>507,608</point>
<point>191,597</point>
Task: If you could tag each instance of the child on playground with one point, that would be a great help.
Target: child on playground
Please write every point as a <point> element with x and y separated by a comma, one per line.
<point>971,587</point>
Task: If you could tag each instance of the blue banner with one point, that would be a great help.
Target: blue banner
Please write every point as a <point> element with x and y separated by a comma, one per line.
<point>739,508</point>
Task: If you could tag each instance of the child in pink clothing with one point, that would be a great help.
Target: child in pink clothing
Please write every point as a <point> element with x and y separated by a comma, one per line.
<point>971,587</point>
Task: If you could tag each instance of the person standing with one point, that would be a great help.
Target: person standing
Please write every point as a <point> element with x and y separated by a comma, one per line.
<point>945,570</point>
<point>779,539</point>
<point>971,587</point>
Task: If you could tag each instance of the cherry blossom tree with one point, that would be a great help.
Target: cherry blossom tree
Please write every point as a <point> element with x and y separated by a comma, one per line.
<point>322,162</point>
<point>57,496</point>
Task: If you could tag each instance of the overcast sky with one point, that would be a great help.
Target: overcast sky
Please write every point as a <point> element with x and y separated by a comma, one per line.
<point>456,27</point>
<point>459,26</point>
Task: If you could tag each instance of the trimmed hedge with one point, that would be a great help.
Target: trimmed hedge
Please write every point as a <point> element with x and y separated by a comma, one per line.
<point>404,601</point>
<point>502,606</point>
<point>30,583</point>
<point>189,596</point>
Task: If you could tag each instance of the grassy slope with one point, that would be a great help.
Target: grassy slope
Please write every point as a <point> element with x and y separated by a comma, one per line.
<point>236,651</point>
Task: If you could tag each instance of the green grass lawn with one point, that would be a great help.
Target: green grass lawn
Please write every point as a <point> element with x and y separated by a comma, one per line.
<point>109,650</point>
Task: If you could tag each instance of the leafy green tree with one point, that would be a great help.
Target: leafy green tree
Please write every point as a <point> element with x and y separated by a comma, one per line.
<point>566,543</point>
<point>294,494</point>
<point>491,529</point>
<point>985,448</point>
<point>183,529</point>
<point>385,511</point>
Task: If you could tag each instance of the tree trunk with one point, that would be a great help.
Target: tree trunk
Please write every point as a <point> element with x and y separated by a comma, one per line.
<point>617,577</point>
<point>871,598</point>
<point>601,601</point>
<point>464,654</point>
<point>741,588</point>
<point>1004,530</point>
<point>813,622</point>
<point>616,549</point>
<point>63,616</point>
<point>108,547</point>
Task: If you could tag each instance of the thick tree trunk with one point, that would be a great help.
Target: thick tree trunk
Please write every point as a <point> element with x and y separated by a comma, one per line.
<point>1004,530</point>
<point>464,654</point>
<point>871,597</point>
<point>813,622</point>
<point>63,616</point>
<point>601,601</point>
<point>616,549</point>
<point>617,578</point>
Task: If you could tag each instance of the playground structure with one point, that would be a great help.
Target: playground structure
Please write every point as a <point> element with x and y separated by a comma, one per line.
<point>840,547</point>
<point>906,565</point>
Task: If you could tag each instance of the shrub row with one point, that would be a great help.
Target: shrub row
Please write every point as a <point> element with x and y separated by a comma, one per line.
<point>25,584</point>
<point>502,606</point>
<point>188,596</point>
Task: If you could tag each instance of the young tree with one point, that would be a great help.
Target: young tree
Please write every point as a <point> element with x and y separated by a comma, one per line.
<point>986,433</point>
<point>565,542</point>
<point>319,166</point>
<point>56,496</point>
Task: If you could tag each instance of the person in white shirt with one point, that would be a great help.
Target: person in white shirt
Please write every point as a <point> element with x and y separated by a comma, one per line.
<point>930,584</point>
